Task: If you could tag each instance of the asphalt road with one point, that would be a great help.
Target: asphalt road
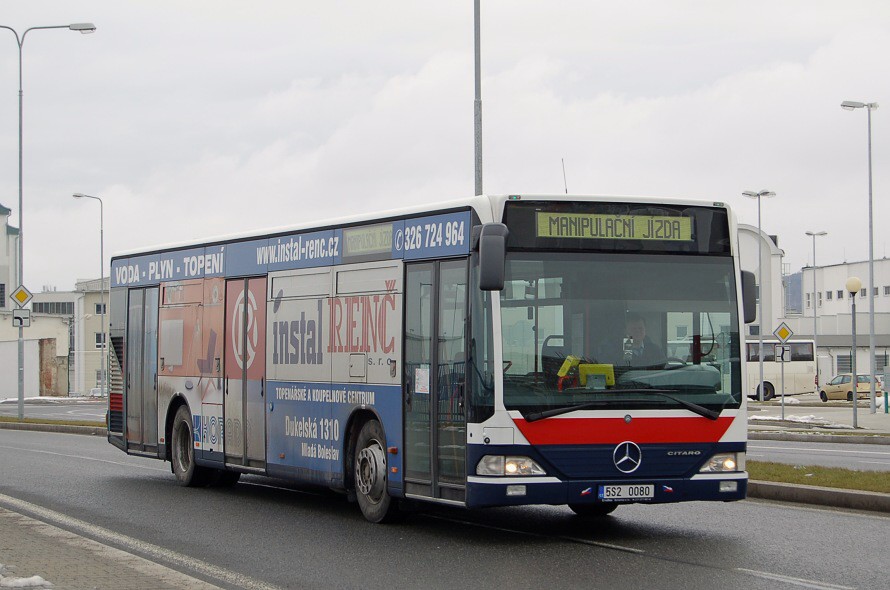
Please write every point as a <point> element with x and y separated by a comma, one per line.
<point>861,457</point>
<point>275,534</point>
<point>64,409</point>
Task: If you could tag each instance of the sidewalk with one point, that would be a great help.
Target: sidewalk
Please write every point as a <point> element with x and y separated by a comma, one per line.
<point>806,413</point>
<point>34,554</point>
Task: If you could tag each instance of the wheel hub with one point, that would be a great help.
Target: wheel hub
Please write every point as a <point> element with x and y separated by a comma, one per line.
<point>370,471</point>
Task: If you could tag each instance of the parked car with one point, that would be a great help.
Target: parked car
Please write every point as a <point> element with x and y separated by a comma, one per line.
<point>840,387</point>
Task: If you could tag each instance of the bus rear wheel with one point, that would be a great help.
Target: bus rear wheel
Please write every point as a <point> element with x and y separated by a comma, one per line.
<point>593,510</point>
<point>370,475</point>
<point>182,453</point>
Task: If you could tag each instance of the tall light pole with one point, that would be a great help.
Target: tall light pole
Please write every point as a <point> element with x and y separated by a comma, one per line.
<point>20,41</point>
<point>850,105</point>
<point>477,103</point>
<point>101,287</point>
<point>853,285</point>
<point>815,330</point>
<point>759,195</point>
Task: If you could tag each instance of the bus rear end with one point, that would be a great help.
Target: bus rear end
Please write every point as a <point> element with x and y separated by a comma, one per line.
<point>611,372</point>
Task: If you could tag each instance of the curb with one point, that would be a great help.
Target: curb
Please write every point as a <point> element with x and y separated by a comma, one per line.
<point>833,497</point>
<point>870,439</point>
<point>63,428</point>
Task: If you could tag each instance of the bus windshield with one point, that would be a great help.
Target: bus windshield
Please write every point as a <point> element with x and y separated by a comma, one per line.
<point>619,331</point>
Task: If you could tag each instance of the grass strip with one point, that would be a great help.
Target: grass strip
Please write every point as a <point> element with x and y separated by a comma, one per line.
<point>830,477</point>
<point>14,420</point>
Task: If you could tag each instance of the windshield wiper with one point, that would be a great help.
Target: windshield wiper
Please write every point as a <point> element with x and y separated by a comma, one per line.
<point>695,408</point>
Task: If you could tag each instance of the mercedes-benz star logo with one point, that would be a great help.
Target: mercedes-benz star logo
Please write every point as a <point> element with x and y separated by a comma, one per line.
<point>627,456</point>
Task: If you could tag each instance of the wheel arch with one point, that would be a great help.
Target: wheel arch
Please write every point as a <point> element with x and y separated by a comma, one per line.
<point>176,402</point>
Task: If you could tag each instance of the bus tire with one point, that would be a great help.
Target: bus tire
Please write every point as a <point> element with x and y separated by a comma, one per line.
<point>597,510</point>
<point>182,452</point>
<point>769,392</point>
<point>370,474</point>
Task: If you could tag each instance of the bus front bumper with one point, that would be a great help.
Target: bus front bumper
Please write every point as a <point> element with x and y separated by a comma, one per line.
<point>503,491</point>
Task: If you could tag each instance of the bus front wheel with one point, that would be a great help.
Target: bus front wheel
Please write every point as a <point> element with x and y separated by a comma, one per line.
<point>187,472</point>
<point>370,474</point>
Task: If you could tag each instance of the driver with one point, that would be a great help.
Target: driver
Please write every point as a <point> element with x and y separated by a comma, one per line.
<point>639,349</point>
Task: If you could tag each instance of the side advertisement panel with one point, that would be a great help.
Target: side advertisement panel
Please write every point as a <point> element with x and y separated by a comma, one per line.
<point>330,352</point>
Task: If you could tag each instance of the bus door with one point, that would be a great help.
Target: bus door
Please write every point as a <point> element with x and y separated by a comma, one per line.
<point>245,370</point>
<point>142,370</point>
<point>435,366</point>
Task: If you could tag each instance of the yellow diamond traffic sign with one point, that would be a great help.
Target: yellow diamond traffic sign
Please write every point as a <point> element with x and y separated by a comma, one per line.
<point>783,333</point>
<point>21,296</point>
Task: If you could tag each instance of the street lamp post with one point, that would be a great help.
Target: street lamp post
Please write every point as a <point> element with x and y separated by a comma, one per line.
<point>84,28</point>
<point>815,330</point>
<point>759,195</point>
<point>101,287</point>
<point>853,286</point>
<point>850,105</point>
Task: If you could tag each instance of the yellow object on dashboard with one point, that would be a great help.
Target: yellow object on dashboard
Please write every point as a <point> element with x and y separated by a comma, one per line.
<point>571,361</point>
<point>586,369</point>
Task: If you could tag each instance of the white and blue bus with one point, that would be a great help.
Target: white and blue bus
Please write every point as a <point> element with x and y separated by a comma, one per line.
<point>471,354</point>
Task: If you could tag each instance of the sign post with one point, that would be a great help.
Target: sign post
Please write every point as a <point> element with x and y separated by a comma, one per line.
<point>21,296</point>
<point>783,355</point>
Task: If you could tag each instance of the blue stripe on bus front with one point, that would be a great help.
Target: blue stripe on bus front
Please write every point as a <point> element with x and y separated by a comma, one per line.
<point>666,490</point>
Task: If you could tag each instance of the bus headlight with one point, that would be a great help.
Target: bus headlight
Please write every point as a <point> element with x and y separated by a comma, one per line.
<point>722,462</point>
<point>508,466</point>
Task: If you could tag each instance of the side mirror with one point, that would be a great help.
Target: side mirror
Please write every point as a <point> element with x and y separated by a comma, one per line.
<point>749,296</point>
<point>492,256</point>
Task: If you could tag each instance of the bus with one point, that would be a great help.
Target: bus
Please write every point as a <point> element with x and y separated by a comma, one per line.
<point>471,354</point>
<point>800,371</point>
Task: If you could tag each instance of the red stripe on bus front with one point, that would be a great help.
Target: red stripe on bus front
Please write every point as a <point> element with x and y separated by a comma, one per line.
<point>580,431</point>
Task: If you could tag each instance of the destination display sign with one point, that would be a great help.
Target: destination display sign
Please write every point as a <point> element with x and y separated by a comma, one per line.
<point>594,225</point>
<point>363,241</point>
<point>613,227</point>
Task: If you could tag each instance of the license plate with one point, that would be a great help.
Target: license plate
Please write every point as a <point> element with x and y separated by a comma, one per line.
<point>626,492</point>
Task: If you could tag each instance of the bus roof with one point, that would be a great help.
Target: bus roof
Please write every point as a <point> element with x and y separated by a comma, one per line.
<point>488,207</point>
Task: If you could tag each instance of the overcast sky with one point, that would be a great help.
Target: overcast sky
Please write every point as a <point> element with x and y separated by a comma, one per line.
<point>194,119</point>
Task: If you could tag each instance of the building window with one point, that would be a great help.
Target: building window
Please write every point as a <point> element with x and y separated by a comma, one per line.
<point>863,292</point>
<point>844,365</point>
<point>840,293</point>
<point>876,291</point>
<point>886,290</point>
<point>54,307</point>
<point>828,295</point>
<point>99,377</point>
<point>820,298</point>
<point>100,340</point>
<point>100,308</point>
<point>2,295</point>
<point>808,300</point>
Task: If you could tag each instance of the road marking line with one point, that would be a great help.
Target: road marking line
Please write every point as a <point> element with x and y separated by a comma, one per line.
<point>794,581</point>
<point>541,535</point>
<point>822,451</point>
<point>135,545</point>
